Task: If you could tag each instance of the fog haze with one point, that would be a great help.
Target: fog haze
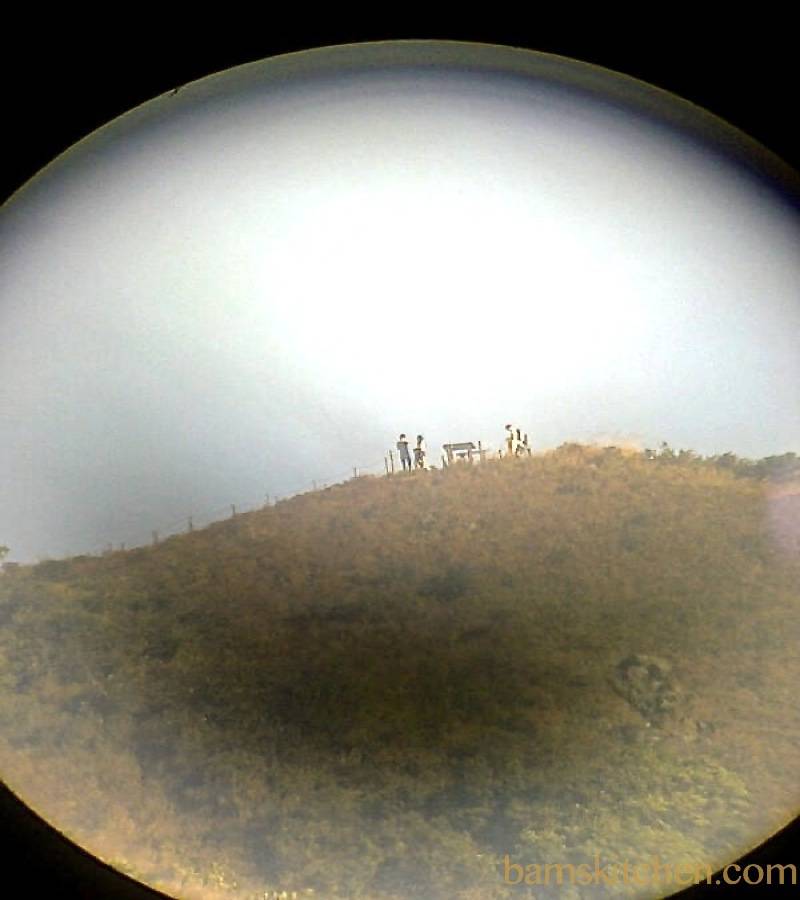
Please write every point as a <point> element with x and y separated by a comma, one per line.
<point>256,283</point>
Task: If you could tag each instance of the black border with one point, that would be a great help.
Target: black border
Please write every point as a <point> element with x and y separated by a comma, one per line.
<point>60,91</point>
<point>64,80</point>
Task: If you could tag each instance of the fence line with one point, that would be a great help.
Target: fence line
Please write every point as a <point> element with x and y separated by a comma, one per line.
<point>186,524</point>
<point>189,522</point>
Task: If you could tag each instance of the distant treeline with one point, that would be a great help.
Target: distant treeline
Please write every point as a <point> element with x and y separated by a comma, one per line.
<point>784,467</point>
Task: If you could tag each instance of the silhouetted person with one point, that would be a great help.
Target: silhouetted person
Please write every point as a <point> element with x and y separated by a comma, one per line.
<point>402,449</point>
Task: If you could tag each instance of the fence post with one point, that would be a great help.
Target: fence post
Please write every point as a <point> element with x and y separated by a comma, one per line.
<point>233,510</point>
<point>355,471</point>
<point>391,461</point>
<point>191,524</point>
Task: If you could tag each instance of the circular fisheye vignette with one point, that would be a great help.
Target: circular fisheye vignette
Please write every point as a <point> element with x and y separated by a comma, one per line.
<point>384,57</point>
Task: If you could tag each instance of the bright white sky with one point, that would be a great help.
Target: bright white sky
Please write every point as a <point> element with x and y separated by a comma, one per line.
<point>256,284</point>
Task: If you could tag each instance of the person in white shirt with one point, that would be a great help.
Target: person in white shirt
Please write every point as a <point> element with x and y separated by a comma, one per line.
<point>420,451</point>
<point>516,445</point>
<point>510,440</point>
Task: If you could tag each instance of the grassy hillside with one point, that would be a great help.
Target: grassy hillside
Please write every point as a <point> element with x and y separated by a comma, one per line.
<point>380,689</point>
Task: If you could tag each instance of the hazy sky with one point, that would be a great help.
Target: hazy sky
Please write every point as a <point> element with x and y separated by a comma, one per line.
<point>261,280</point>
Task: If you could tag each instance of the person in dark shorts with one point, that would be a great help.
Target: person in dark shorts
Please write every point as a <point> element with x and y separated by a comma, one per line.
<point>405,456</point>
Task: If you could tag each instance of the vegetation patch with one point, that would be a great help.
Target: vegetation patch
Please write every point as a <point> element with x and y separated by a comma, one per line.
<point>345,695</point>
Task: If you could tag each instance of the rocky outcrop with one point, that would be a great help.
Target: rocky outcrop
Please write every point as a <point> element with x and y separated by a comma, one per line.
<point>647,683</point>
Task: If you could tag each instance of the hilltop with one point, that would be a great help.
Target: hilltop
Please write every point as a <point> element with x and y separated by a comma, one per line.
<point>381,688</point>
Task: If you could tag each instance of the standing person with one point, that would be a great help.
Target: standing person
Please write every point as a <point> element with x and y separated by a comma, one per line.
<point>519,445</point>
<point>420,451</point>
<point>510,440</point>
<point>402,449</point>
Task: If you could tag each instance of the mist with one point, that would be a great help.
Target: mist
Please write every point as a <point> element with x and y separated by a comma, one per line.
<point>258,282</point>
